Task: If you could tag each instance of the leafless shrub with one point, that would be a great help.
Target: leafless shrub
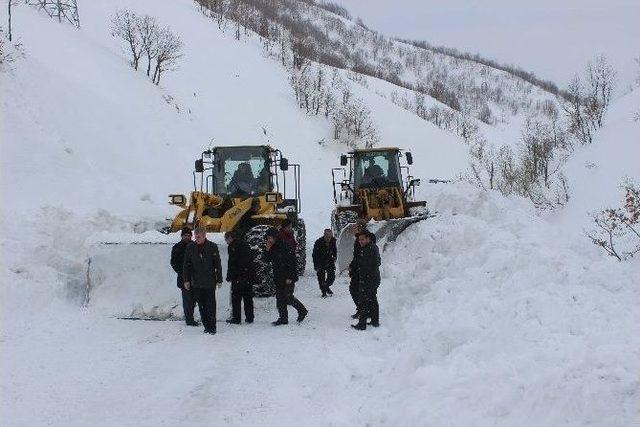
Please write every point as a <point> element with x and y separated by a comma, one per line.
<point>617,230</point>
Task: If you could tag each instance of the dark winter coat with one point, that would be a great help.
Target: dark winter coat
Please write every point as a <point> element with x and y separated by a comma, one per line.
<point>288,238</point>
<point>202,266</point>
<point>324,255</point>
<point>177,260</point>
<point>240,264</point>
<point>353,268</point>
<point>283,258</point>
<point>368,264</point>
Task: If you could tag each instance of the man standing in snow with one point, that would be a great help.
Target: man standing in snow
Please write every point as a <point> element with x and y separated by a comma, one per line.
<point>368,265</point>
<point>354,284</point>
<point>177,263</point>
<point>241,275</point>
<point>324,261</point>
<point>202,271</point>
<point>285,276</point>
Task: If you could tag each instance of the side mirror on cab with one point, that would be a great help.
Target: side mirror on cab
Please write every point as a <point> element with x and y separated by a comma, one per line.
<point>199,165</point>
<point>343,160</point>
<point>284,164</point>
<point>409,157</point>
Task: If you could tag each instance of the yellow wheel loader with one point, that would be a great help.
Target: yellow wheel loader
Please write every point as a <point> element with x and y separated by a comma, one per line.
<point>245,189</point>
<point>372,186</point>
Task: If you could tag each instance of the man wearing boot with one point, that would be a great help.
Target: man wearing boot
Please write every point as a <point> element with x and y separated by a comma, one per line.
<point>368,265</point>
<point>285,275</point>
<point>202,271</point>
<point>354,283</point>
<point>240,274</point>
<point>324,261</point>
<point>177,262</point>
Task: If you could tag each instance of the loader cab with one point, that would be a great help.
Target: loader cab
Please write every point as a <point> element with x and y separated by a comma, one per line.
<point>372,169</point>
<point>376,169</point>
<point>241,171</point>
<point>246,171</point>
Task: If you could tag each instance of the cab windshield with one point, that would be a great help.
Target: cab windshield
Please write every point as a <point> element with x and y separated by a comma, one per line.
<point>241,171</point>
<point>376,169</point>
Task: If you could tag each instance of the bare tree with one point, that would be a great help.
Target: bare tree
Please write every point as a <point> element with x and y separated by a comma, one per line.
<point>169,50</point>
<point>578,121</point>
<point>10,3</point>
<point>148,31</point>
<point>601,79</point>
<point>588,103</point>
<point>125,25</point>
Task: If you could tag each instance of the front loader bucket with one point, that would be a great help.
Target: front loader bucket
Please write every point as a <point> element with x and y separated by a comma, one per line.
<point>129,276</point>
<point>385,231</point>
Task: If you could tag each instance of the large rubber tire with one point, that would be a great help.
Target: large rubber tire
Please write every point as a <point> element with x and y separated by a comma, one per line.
<point>255,238</point>
<point>300,233</point>
<point>341,219</point>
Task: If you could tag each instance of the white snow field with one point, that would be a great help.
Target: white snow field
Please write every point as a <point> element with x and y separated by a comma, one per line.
<point>492,313</point>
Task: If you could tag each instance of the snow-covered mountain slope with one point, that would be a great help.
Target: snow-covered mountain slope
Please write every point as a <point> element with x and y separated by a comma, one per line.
<point>553,39</point>
<point>81,129</point>
<point>491,314</point>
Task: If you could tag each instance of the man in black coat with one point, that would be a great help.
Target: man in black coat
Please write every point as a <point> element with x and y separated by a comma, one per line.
<point>285,276</point>
<point>368,265</point>
<point>354,284</point>
<point>241,275</point>
<point>177,263</point>
<point>202,271</point>
<point>325,253</point>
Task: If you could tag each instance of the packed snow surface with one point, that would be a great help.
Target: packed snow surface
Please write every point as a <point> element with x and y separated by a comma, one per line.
<point>492,313</point>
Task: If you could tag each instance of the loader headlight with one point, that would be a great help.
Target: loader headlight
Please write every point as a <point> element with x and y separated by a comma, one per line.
<point>177,199</point>
<point>271,197</point>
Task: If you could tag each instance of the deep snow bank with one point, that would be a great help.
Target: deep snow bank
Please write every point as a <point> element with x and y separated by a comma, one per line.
<point>499,319</point>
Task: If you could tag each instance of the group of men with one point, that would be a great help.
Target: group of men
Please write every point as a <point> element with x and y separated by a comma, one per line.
<point>199,270</point>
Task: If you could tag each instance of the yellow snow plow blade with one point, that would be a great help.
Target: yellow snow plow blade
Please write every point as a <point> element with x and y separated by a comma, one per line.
<point>385,231</point>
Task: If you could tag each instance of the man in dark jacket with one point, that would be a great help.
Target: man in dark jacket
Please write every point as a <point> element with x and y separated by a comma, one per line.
<point>177,262</point>
<point>241,275</point>
<point>354,284</point>
<point>202,271</point>
<point>324,261</point>
<point>285,276</point>
<point>368,265</point>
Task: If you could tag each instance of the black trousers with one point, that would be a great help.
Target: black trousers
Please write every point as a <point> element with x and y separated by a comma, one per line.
<point>242,292</point>
<point>326,277</point>
<point>354,290</point>
<point>206,299</point>
<point>284,297</point>
<point>188,304</point>
<point>369,305</point>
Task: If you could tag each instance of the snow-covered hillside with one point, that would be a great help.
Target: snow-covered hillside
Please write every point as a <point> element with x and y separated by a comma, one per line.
<point>553,39</point>
<point>491,313</point>
<point>122,144</point>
